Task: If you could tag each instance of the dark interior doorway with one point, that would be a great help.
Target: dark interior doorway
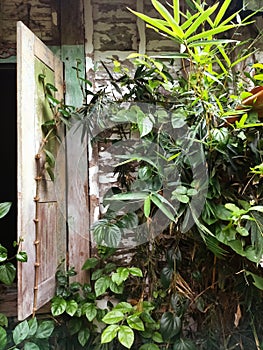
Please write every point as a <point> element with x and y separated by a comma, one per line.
<point>8,158</point>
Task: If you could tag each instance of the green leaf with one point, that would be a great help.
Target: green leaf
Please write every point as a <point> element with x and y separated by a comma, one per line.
<point>149,346</point>
<point>58,306</point>
<point>21,256</point>
<point>3,338</point>
<point>159,203</point>
<point>109,333</point>
<point>33,325</point>
<point>112,235</point>
<point>7,273</point>
<point>184,344</point>
<point>129,196</point>
<point>169,19</point>
<point>120,275</point>
<point>74,325</point>
<point>135,322</point>
<point>31,346</point>
<point>201,19</point>
<point>90,311</point>
<point>156,24</point>
<point>176,10</point>
<point>50,159</point>
<point>124,307</point>
<point>258,281</point>
<point>126,336</point>
<point>101,285</point>
<point>115,288</point>
<point>210,32</point>
<point>145,124</point>
<point>222,11</point>
<point>72,307</point>
<point>4,208</point>
<point>20,332</point>
<point>135,271</point>
<point>170,325</point>
<point>45,329</point>
<point>83,336</point>
<point>3,253</point>
<point>113,316</point>
<point>3,320</point>
<point>157,337</point>
<point>147,206</point>
<point>90,264</point>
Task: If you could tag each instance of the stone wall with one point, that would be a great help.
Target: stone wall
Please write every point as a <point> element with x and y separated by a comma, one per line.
<point>41,16</point>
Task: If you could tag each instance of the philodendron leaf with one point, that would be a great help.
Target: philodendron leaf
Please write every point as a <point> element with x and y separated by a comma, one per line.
<point>7,273</point>
<point>58,306</point>
<point>4,208</point>
<point>184,344</point>
<point>20,332</point>
<point>170,325</point>
<point>113,316</point>
<point>3,338</point>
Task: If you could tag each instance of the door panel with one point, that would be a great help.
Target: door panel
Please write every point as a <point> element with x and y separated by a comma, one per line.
<point>41,223</point>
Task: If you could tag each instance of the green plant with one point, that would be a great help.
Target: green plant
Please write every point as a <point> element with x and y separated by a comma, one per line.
<point>187,119</point>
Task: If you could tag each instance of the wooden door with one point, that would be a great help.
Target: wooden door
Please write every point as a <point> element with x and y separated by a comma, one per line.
<point>41,223</point>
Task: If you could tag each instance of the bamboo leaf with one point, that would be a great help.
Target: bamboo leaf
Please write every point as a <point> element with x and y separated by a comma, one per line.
<point>156,24</point>
<point>166,15</point>
<point>176,9</point>
<point>200,20</point>
<point>210,32</point>
<point>222,12</point>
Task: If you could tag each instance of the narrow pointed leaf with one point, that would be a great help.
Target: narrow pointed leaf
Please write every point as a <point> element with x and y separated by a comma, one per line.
<point>200,20</point>
<point>222,12</point>
<point>166,15</point>
<point>210,32</point>
<point>176,9</point>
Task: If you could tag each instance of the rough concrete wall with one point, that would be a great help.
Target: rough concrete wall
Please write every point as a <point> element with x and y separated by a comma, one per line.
<point>41,16</point>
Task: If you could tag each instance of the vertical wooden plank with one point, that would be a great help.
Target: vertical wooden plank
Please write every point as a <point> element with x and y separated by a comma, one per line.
<point>37,209</point>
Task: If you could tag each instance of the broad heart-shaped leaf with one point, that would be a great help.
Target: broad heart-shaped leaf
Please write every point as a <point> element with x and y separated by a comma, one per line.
<point>7,273</point>
<point>126,336</point>
<point>83,336</point>
<point>4,208</point>
<point>170,325</point>
<point>20,332</point>
<point>72,307</point>
<point>184,344</point>
<point>113,316</point>
<point>45,329</point>
<point>120,275</point>
<point>135,271</point>
<point>31,346</point>
<point>145,123</point>
<point>90,263</point>
<point>109,333</point>
<point>123,306</point>
<point>3,253</point>
<point>112,236</point>
<point>135,322</point>
<point>58,306</point>
<point>101,285</point>
<point>90,311</point>
<point>166,276</point>
<point>3,338</point>
<point>33,325</point>
<point>149,346</point>
<point>74,325</point>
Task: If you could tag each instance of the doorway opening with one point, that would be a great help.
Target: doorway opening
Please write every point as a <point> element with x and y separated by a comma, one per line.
<point>8,155</point>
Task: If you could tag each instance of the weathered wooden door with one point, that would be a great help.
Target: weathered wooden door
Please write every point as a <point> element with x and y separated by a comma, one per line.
<point>41,223</point>
<point>42,213</point>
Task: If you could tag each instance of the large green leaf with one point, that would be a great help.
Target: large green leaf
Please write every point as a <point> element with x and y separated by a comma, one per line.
<point>170,325</point>
<point>3,253</point>
<point>90,310</point>
<point>109,333</point>
<point>135,322</point>
<point>45,330</point>
<point>31,346</point>
<point>58,306</point>
<point>90,264</point>
<point>101,285</point>
<point>184,344</point>
<point>20,332</point>
<point>7,273</point>
<point>3,338</point>
<point>126,336</point>
<point>72,307</point>
<point>114,316</point>
<point>83,336</point>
